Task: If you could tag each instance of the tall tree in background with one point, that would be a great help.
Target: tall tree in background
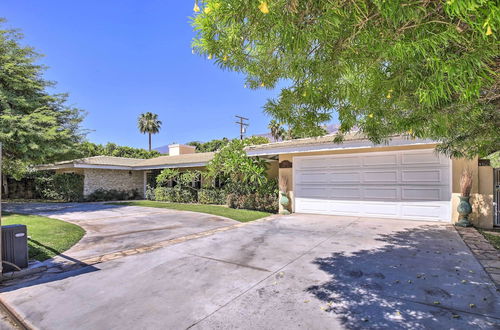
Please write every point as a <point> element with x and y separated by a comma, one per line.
<point>35,125</point>
<point>277,131</point>
<point>148,123</point>
<point>429,69</point>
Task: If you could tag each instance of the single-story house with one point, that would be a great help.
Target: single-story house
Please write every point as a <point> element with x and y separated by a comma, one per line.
<point>119,173</point>
<point>404,179</point>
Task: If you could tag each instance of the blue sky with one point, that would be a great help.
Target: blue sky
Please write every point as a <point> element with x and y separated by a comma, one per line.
<point>119,58</point>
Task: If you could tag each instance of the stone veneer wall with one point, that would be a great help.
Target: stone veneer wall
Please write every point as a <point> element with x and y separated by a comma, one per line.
<point>113,179</point>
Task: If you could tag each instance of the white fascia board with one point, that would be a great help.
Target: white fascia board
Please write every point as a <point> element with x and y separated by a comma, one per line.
<point>53,167</point>
<point>155,167</point>
<point>359,144</point>
<point>104,167</point>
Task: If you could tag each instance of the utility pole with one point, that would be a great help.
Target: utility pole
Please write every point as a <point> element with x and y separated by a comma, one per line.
<point>243,125</point>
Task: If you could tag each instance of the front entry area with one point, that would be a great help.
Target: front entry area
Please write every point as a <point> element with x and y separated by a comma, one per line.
<point>408,184</point>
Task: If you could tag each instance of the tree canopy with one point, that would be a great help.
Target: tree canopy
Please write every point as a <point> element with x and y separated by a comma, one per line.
<point>428,69</point>
<point>89,149</point>
<point>149,123</point>
<point>231,163</point>
<point>209,146</point>
<point>36,126</point>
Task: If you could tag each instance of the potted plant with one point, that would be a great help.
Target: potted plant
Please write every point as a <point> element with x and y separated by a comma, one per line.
<point>284,201</point>
<point>464,208</point>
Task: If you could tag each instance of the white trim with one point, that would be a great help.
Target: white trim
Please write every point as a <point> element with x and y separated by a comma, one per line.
<point>104,167</point>
<point>118,167</point>
<point>170,166</point>
<point>53,167</point>
<point>347,145</point>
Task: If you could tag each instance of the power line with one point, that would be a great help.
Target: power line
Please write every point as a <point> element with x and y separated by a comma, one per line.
<point>243,125</point>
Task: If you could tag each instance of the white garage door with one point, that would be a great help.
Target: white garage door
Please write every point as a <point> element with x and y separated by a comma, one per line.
<point>400,184</point>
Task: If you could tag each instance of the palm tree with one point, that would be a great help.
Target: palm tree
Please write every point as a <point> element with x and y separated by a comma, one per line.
<point>277,132</point>
<point>148,123</point>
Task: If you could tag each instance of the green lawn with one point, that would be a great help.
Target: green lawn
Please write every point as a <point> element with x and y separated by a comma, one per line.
<point>493,236</point>
<point>235,214</point>
<point>48,237</point>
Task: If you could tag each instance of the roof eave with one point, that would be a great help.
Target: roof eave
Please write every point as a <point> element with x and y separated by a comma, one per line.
<point>181,165</point>
<point>330,146</point>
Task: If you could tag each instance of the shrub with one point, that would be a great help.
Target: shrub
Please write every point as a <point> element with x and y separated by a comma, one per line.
<point>175,195</point>
<point>256,201</point>
<point>150,193</point>
<point>101,195</point>
<point>212,196</point>
<point>63,186</point>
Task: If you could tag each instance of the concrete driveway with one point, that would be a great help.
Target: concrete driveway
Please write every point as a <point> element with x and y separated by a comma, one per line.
<point>292,272</point>
<point>113,228</point>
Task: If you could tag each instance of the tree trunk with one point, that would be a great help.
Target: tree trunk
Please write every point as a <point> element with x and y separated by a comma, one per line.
<point>149,141</point>
<point>5,185</point>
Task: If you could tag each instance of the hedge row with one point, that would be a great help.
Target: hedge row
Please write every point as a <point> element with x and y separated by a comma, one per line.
<point>255,201</point>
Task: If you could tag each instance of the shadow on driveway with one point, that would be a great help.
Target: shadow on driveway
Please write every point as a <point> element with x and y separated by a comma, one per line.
<point>413,281</point>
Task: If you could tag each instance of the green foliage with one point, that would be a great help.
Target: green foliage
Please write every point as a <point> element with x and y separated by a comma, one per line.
<point>175,195</point>
<point>149,123</point>
<point>166,175</point>
<point>256,201</point>
<point>212,196</point>
<point>277,131</point>
<point>35,126</point>
<point>262,197</point>
<point>429,69</point>
<point>150,193</point>
<point>209,146</point>
<point>101,195</point>
<point>89,149</point>
<point>63,186</point>
<point>494,159</point>
<point>233,165</point>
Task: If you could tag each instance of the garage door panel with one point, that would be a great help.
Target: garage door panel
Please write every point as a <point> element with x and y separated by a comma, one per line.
<point>381,209</point>
<point>424,194</point>
<point>423,158</point>
<point>343,161</point>
<point>431,176</point>
<point>313,192</point>
<point>401,184</point>
<point>346,193</point>
<point>430,211</point>
<point>345,177</point>
<point>386,176</point>
<point>380,160</point>
<point>313,177</point>
<point>382,193</point>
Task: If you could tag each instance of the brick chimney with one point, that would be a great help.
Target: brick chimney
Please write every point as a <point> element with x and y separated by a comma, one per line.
<point>180,149</point>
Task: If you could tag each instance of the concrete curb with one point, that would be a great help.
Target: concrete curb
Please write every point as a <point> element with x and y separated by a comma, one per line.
<point>14,317</point>
<point>485,253</point>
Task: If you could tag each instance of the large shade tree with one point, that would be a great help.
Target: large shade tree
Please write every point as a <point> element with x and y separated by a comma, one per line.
<point>35,125</point>
<point>149,123</point>
<point>424,68</point>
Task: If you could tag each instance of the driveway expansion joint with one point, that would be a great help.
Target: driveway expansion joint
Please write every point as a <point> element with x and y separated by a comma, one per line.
<point>273,273</point>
